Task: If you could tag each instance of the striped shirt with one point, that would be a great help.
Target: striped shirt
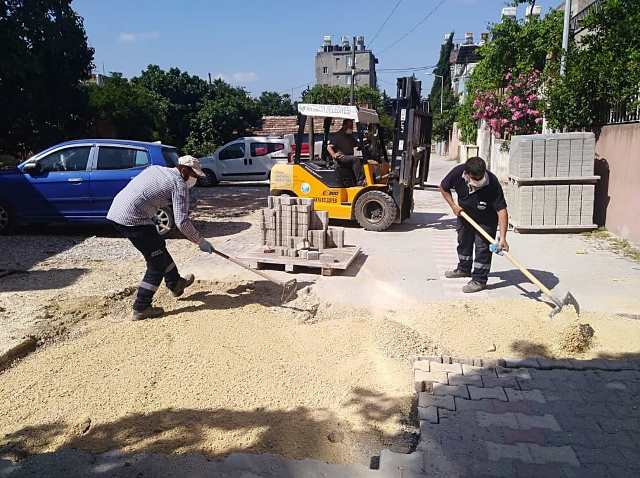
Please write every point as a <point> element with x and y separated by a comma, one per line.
<point>152,189</point>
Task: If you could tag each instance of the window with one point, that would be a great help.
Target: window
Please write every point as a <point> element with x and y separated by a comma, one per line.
<point>112,157</point>
<point>234,151</point>
<point>349,62</point>
<point>347,79</point>
<point>261,149</point>
<point>68,159</point>
<point>325,70</point>
<point>170,157</point>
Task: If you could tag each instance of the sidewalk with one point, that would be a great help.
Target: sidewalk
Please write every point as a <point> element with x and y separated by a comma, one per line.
<point>404,266</point>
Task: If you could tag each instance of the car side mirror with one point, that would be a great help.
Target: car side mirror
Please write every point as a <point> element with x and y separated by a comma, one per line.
<point>31,168</point>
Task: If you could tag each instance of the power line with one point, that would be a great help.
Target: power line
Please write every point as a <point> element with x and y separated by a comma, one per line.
<point>411,68</point>
<point>415,27</point>
<point>395,7</point>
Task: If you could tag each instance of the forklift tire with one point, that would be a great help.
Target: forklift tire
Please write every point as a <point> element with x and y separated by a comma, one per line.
<point>375,211</point>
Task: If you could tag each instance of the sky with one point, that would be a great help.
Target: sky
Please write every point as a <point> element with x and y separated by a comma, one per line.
<point>271,44</point>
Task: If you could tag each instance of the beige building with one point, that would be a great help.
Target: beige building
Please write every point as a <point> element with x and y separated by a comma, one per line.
<point>334,63</point>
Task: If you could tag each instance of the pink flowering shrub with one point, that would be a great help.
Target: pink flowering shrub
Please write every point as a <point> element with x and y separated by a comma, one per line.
<point>515,109</point>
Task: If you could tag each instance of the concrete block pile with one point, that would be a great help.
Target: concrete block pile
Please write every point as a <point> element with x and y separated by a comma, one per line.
<point>291,228</point>
<point>551,181</point>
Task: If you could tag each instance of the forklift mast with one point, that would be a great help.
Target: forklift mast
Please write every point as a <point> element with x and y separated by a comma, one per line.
<point>411,145</point>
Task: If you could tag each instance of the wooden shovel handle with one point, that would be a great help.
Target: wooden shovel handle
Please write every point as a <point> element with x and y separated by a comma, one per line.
<point>514,261</point>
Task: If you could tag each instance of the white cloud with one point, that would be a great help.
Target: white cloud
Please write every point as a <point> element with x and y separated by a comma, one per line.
<point>132,37</point>
<point>245,76</point>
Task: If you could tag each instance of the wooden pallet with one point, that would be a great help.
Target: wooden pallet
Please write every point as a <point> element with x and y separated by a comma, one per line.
<point>335,259</point>
<point>554,228</point>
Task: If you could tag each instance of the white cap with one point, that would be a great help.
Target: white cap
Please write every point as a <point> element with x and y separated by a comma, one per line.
<point>193,163</point>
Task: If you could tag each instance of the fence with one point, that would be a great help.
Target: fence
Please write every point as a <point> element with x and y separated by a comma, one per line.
<point>624,113</point>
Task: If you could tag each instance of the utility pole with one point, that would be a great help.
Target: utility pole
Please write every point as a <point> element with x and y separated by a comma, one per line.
<point>565,37</point>
<point>209,79</point>
<point>353,70</point>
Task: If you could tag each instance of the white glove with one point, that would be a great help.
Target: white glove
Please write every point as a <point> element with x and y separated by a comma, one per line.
<point>205,246</point>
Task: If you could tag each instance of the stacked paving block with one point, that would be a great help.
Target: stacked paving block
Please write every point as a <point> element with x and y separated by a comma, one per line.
<point>290,227</point>
<point>551,182</point>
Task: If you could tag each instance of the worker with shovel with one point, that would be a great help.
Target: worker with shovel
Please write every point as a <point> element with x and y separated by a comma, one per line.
<point>133,212</point>
<point>480,195</point>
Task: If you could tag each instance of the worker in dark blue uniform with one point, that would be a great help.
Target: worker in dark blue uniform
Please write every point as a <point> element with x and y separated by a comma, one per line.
<point>480,195</point>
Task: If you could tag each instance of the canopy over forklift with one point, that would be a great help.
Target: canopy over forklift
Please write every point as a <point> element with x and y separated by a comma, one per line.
<point>387,195</point>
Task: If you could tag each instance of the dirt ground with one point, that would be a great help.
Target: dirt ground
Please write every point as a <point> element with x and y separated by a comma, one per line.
<point>228,369</point>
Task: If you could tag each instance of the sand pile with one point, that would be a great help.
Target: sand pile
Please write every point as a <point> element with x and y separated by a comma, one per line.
<point>399,341</point>
<point>221,372</point>
<point>576,338</point>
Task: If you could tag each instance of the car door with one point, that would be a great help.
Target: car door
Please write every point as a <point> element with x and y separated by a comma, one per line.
<point>261,157</point>
<point>58,188</point>
<point>232,162</point>
<point>112,167</point>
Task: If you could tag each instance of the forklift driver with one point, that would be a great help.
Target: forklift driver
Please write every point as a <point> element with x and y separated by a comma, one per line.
<point>341,148</point>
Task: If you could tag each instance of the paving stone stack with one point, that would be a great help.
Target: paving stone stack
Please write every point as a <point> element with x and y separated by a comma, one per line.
<point>551,181</point>
<point>291,227</point>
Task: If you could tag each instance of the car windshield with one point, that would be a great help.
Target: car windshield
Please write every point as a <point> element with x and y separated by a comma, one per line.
<point>170,157</point>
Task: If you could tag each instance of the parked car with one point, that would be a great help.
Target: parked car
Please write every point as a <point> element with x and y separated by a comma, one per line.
<point>76,181</point>
<point>244,159</point>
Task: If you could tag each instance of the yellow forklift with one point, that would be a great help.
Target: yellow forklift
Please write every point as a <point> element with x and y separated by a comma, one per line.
<point>387,195</point>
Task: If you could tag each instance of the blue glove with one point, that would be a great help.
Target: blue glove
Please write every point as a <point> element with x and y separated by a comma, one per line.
<point>495,248</point>
<point>205,246</point>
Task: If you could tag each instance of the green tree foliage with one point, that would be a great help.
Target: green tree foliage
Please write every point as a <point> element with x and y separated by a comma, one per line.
<point>43,58</point>
<point>516,46</point>
<point>122,109</point>
<point>184,94</point>
<point>227,113</point>
<point>443,121</point>
<point>275,104</point>
<point>603,71</point>
<point>340,95</point>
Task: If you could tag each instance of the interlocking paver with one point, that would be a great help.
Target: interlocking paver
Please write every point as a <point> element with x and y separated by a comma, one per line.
<point>455,379</point>
<point>472,370</point>
<point>480,393</point>
<point>426,399</point>
<point>507,420</point>
<point>520,362</point>
<point>453,390</point>
<point>509,382</point>
<point>524,395</point>
<point>446,367</point>
<point>422,365</point>
<point>498,451</point>
<point>554,422</point>
<point>526,422</point>
<point>422,378</point>
<point>429,414</point>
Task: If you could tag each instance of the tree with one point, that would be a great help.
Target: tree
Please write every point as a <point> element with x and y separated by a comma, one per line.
<point>227,112</point>
<point>441,70</point>
<point>275,104</point>
<point>44,56</point>
<point>121,109</point>
<point>516,48</point>
<point>184,94</point>
<point>443,121</point>
<point>603,71</point>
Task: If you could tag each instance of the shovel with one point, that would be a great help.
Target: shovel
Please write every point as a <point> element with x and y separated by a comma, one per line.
<point>288,287</point>
<point>569,299</point>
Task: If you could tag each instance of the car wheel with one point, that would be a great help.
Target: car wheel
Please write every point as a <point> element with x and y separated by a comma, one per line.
<point>164,221</point>
<point>6,219</point>
<point>209,180</point>
<point>375,211</point>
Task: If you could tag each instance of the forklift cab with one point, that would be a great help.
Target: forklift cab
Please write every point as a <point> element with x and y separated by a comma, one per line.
<point>370,150</point>
<point>386,197</point>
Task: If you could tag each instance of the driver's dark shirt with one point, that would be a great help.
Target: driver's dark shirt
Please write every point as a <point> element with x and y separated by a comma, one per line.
<point>343,142</point>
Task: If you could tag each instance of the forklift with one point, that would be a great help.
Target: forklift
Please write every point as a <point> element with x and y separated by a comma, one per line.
<point>386,197</point>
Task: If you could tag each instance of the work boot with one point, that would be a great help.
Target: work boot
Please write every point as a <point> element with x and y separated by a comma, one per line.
<point>148,313</point>
<point>456,274</point>
<point>183,283</point>
<point>473,286</point>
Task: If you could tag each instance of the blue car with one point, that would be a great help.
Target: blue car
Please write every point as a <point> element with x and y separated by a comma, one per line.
<point>76,181</point>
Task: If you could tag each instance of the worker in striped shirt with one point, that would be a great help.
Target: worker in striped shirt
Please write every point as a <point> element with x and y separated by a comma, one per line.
<point>133,212</point>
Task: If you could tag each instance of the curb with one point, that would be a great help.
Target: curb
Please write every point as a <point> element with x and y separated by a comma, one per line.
<point>540,363</point>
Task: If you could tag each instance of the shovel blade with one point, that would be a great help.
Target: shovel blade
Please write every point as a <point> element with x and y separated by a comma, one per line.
<point>569,299</point>
<point>288,290</point>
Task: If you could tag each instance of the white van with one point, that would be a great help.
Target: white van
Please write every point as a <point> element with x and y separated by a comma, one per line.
<point>244,159</point>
